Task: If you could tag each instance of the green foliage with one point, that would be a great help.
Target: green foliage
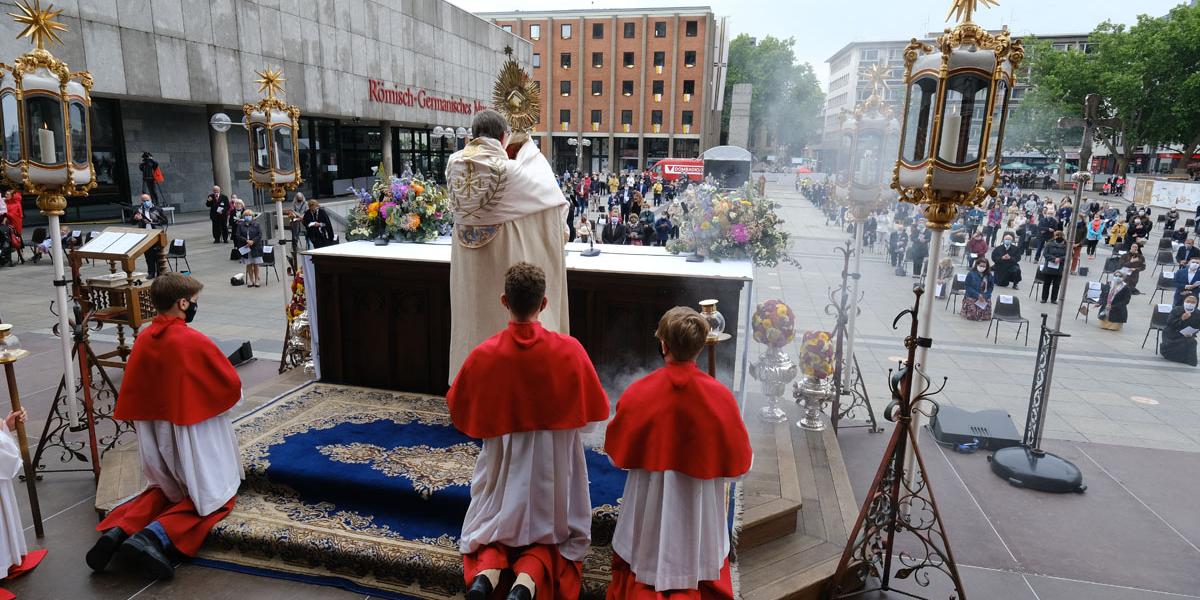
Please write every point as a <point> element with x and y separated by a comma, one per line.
<point>787,97</point>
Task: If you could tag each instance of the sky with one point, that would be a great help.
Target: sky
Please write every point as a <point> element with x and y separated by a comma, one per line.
<point>821,31</point>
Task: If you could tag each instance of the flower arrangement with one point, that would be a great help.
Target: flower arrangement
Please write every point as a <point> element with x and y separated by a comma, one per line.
<point>774,324</point>
<point>816,354</point>
<point>299,301</point>
<point>403,208</point>
<point>732,224</point>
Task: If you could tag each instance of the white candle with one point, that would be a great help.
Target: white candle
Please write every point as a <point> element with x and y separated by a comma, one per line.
<point>46,145</point>
<point>948,148</point>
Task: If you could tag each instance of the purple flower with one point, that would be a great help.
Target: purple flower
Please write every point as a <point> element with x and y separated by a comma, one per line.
<point>739,233</point>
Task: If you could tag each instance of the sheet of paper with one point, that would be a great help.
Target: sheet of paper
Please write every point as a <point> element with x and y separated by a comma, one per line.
<point>962,277</point>
<point>125,243</point>
<point>981,304</point>
<point>937,293</point>
<point>1164,308</point>
<point>177,243</point>
<point>268,249</point>
<point>1189,331</point>
<point>1006,299</point>
<point>101,242</point>
<point>244,250</point>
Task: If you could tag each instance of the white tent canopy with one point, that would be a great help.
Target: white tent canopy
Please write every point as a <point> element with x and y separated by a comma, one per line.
<point>732,153</point>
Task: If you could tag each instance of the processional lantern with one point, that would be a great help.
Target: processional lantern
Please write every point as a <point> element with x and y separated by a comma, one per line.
<point>955,108</point>
<point>869,135</point>
<point>273,129</point>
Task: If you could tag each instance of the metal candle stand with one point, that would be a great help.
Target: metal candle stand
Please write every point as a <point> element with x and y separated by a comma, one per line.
<point>839,306</point>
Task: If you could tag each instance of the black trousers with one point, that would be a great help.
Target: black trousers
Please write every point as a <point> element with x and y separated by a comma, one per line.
<point>1050,286</point>
<point>1091,247</point>
<point>220,229</point>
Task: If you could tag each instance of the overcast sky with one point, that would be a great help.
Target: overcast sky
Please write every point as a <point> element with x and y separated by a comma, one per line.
<point>820,31</point>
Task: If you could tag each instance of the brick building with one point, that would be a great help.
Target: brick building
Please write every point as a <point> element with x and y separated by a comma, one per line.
<point>639,84</point>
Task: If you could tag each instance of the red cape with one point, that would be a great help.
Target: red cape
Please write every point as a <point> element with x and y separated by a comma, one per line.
<point>526,379</point>
<point>176,374</point>
<point>679,419</point>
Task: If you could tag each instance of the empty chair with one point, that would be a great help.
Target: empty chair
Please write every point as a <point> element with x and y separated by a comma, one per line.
<point>958,285</point>
<point>1166,283</point>
<point>1111,265</point>
<point>1165,258</point>
<point>1008,309</point>
<point>1164,243</point>
<point>269,261</point>
<point>969,258</point>
<point>177,252</point>
<point>1036,287</point>
<point>1158,320</point>
<point>1190,223</point>
<point>1091,297</point>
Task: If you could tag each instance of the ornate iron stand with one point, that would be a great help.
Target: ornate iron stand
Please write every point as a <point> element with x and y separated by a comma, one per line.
<point>839,307</point>
<point>894,506</point>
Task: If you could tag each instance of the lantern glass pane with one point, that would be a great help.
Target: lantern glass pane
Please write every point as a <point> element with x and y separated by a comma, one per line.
<point>962,119</point>
<point>284,161</point>
<point>79,134</point>
<point>999,112</point>
<point>918,120</point>
<point>869,159</point>
<point>44,129</point>
<point>12,128</point>
<point>844,166</point>
<point>258,137</point>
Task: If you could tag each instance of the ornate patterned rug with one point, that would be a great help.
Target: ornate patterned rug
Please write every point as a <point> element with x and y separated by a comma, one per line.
<point>366,490</point>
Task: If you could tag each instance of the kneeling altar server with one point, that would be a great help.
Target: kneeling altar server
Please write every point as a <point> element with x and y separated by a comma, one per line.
<point>680,435</point>
<point>177,390</point>
<point>529,394</point>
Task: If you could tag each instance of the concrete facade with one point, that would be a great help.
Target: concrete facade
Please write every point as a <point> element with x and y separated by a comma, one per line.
<point>739,115</point>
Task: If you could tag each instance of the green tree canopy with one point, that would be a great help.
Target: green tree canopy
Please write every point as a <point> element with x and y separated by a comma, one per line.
<point>787,98</point>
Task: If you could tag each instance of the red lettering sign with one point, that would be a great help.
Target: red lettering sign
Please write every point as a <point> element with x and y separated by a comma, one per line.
<point>380,92</point>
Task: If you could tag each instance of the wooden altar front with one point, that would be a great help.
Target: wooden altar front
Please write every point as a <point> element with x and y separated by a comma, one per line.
<point>381,314</point>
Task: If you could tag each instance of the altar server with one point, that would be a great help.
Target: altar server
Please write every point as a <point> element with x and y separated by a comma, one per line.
<point>15,557</point>
<point>529,394</point>
<point>505,211</point>
<point>680,435</point>
<point>178,389</point>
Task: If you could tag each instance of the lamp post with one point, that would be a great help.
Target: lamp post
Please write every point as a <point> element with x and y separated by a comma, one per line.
<point>579,143</point>
<point>47,145</point>
<point>274,148</point>
<point>955,107</point>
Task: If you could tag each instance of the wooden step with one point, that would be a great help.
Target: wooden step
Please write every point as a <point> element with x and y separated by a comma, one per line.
<point>771,497</point>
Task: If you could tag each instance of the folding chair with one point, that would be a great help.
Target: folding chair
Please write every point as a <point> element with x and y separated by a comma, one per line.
<point>1036,287</point>
<point>958,286</point>
<point>1164,258</point>
<point>269,261</point>
<point>177,251</point>
<point>1008,309</point>
<point>1158,321</point>
<point>1166,283</point>
<point>1091,297</point>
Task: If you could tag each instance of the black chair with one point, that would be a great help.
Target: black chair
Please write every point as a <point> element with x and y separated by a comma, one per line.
<point>1164,258</point>
<point>269,261</point>
<point>1164,243</point>
<point>1158,321</point>
<point>1111,265</point>
<point>958,286</point>
<point>1087,300</point>
<point>1161,219</point>
<point>969,258</point>
<point>1036,287</point>
<point>177,251</point>
<point>1190,223</point>
<point>1008,309</point>
<point>1165,283</point>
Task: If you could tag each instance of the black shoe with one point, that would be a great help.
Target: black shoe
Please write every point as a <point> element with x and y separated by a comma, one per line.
<point>216,241</point>
<point>104,549</point>
<point>480,588</point>
<point>147,552</point>
<point>1016,287</point>
<point>520,592</point>
<point>1054,302</point>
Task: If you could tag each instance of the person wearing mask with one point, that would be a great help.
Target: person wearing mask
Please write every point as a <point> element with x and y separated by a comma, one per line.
<point>584,230</point>
<point>1006,259</point>
<point>1077,242</point>
<point>994,216</point>
<point>247,238</point>
<point>151,217</point>
<point>14,214</point>
<point>1187,252</point>
<point>1050,270</point>
<point>1179,236</point>
<point>1172,217</point>
<point>218,209</point>
<point>662,229</point>
<point>236,208</point>
<point>1187,280</point>
<point>977,295</point>
<point>1047,225</point>
<point>1095,230</point>
<point>1114,300</point>
<point>614,231</point>
<point>150,177</point>
<point>1133,262</point>
<point>317,226</point>
<point>296,216</point>
<point>1178,346</point>
<point>919,250</point>
<point>977,245</point>
<point>1116,233</point>
<point>897,245</point>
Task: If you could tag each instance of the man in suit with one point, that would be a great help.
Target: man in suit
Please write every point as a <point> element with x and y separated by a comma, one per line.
<point>1187,252</point>
<point>1187,280</point>
<point>615,231</point>
<point>218,213</point>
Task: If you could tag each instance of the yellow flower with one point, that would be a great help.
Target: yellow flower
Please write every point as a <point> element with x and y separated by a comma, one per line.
<point>373,210</point>
<point>414,220</point>
<point>781,310</point>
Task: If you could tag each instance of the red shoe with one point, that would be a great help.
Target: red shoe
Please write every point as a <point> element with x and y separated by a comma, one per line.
<point>29,562</point>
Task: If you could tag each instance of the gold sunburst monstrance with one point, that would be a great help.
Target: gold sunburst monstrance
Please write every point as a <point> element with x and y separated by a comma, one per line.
<point>516,95</point>
<point>963,10</point>
<point>40,24</point>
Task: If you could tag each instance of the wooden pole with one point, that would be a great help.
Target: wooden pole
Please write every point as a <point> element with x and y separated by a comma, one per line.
<point>30,474</point>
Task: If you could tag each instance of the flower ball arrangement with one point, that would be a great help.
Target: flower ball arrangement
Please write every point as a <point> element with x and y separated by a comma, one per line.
<point>774,324</point>
<point>816,354</point>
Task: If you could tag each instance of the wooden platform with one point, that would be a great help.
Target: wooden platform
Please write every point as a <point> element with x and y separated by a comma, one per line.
<point>798,509</point>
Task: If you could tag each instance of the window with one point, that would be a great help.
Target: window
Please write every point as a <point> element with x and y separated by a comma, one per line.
<point>630,29</point>
<point>597,31</point>
<point>691,28</point>
<point>564,60</point>
<point>564,116</point>
<point>566,31</point>
<point>506,28</point>
<point>868,55</point>
<point>627,117</point>
<point>537,59</point>
<point>596,117</point>
<point>535,32</point>
<point>657,87</point>
<point>597,87</point>
<point>597,60</point>
<point>627,60</point>
<point>687,117</point>
<point>689,58</point>
<point>627,87</point>
<point>564,87</point>
<point>656,117</point>
<point>689,86</point>
<point>660,58</point>
<point>660,29</point>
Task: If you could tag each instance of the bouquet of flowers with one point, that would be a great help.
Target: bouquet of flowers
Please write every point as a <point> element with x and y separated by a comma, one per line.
<point>404,208</point>
<point>816,354</point>
<point>299,301</point>
<point>774,324</point>
<point>733,224</point>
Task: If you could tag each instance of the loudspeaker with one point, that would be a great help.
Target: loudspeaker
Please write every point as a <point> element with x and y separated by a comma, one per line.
<point>993,428</point>
<point>237,353</point>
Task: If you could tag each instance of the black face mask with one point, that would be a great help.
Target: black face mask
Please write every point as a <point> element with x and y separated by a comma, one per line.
<point>190,313</point>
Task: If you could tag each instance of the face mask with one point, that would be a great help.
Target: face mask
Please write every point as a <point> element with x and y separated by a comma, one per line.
<point>1007,243</point>
<point>981,268</point>
<point>190,313</point>
<point>247,218</point>
<point>1193,267</point>
<point>147,204</point>
<point>1189,306</point>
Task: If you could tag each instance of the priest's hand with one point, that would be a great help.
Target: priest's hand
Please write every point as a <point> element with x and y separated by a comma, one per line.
<point>17,415</point>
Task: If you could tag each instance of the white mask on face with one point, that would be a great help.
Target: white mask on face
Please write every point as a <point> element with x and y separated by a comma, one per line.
<point>1189,306</point>
<point>1193,266</point>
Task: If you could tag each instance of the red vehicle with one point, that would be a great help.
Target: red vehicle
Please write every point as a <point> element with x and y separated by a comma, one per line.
<point>671,169</point>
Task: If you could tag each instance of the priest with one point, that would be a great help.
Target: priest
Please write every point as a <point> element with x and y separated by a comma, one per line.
<point>680,435</point>
<point>529,394</point>
<point>178,389</point>
<point>1006,262</point>
<point>506,210</point>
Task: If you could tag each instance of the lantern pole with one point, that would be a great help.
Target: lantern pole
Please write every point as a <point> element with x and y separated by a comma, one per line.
<point>48,207</point>
<point>277,194</point>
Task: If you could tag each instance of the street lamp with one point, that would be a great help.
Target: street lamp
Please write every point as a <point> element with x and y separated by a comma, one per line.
<point>47,145</point>
<point>579,143</point>
<point>274,148</point>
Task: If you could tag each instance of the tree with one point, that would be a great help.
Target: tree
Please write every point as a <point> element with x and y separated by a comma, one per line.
<point>787,98</point>
<point>1033,124</point>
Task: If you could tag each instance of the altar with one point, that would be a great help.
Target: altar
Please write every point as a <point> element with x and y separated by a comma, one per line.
<point>380,315</point>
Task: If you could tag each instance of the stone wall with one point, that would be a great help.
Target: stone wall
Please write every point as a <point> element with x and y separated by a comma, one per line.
<point>177,136</point>
<point>739,115</point>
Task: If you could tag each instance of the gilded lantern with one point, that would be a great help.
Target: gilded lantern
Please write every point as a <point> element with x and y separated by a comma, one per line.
<point>870,133</point>
<point>955,108</point>
<point>273,129</point>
